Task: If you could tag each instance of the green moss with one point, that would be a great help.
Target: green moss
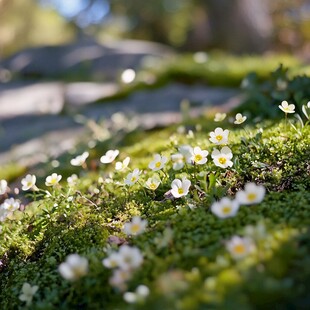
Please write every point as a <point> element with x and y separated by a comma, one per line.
<point>11,171</point>
<point>217,70</point>
<point>186,264</point>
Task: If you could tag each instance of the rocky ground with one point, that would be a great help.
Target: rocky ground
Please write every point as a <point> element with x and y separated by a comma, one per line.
<point>38,117</point>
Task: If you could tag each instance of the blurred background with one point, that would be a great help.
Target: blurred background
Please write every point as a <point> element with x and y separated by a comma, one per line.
<point>239,26</point>
<point>61,59</point>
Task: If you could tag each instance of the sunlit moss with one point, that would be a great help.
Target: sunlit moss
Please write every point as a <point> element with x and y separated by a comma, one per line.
<point>186,263</point>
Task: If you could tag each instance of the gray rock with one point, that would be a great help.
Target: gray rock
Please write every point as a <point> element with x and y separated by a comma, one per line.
<point>23,99</point>
<point>85,58</point>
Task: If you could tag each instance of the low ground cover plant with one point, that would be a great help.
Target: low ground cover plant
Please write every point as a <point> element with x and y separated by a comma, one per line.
<point>214,215</point>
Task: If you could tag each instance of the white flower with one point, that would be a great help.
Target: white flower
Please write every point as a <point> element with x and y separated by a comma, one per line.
<point>122,165</point>
<point>219,117</point>
<point>109,156</point>
<point>130,257</point>
<point>112,261</point>
<point>190,135</point>
<point>140,294</point>
<point>53,179</point>
<point>199,156</point>
<point>180,188</point>
<point>287,108</point>
<point>239,247</point>
<point>3,186</point>
<point>158,162</point>
<point>178,161</point>
<point>251,194</point>
<point>186,151</point>
<point>142,290</point>
<point>308,104</point>
<point>11,205</point>
<point>72,180</point>
<point>257,231</point>
<point>239,119</point>
<point>133,177</point>
<point>135,227</point>
<point>3,213</point>
<point>185,154</point>
<point>304,109</point>
<point>225,208</point>
<point>222,158</point>
<point>130,297</point>
<point>74,267</point>
<point>219,136</point>
<point>28,182</point>
<point>79,160</point>
<point>119,278</point>
<point>27,293</point>
<point>153,182</point>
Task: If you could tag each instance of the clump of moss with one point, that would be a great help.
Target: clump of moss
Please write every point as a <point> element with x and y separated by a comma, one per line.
<point>215,69</point>
<point>186,264</point>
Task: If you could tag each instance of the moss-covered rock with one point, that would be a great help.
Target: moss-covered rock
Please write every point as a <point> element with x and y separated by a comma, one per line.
<point>186,262</point>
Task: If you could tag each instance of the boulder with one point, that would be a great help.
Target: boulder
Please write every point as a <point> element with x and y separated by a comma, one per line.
<point>86,58</point>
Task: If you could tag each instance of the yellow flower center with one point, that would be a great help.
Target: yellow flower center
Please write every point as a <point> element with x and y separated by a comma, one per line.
<point>251,196</point>
<point>113,263</point>
<point>152,186</point>
<point>135,228</point>
<point>239,249</point>
<point>53,181</point>
<point>180,191</point>
<point>197,158</point>
<point>222,160</point>
<point>29,184</point>
<point>133,179</point>
<point>219,137</point>
<point>226,209</point>
<point>158,164</point>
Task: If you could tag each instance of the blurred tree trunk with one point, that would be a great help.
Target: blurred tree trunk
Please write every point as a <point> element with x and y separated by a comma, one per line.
<point>239,25</point>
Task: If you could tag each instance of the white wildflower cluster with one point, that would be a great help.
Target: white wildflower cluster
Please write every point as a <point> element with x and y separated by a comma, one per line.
<point>74,267</point>
<point>290,109</point>
<point>72,180</point>
<point>252,194</point>
<point>27,293</point>
<point>127,259</point>
<point>3,187</point>
<point>79,160</point>
<point>8,207</point>
<point>240,247</point>
<point>138,296</point>
<point>124,262</point>
<point>135,227</point>
<point>237,246</point>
